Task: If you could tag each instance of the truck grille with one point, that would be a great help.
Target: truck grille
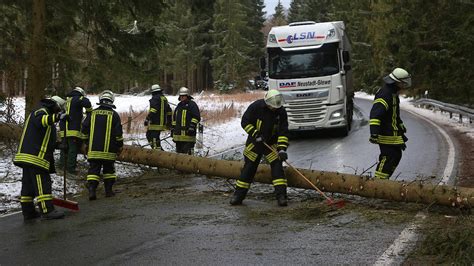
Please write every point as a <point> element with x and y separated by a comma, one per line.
<point>304,112</point>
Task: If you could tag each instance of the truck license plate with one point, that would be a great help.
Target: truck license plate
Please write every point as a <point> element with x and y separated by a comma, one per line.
<point>307,128</point>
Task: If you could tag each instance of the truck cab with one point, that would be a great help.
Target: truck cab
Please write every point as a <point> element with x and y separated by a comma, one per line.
<point>309,63</point>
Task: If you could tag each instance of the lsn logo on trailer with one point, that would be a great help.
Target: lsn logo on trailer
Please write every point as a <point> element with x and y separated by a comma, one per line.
<point>302,36</point>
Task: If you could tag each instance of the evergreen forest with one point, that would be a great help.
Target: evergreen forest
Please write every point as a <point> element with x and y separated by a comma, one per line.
<point>127,45</point>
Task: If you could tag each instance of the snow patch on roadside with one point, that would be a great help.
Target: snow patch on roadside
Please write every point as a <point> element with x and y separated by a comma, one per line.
<point>217,138</point>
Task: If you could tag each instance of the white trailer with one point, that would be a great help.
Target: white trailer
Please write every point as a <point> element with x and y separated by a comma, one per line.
<point>309,63</point>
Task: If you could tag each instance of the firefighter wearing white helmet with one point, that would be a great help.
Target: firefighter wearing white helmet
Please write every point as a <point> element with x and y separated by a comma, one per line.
<point>186,117</point>
<point>158,118</point>
<point>76,103</point>
<point>155,88</point>
<point>386,126</point>
<point>80,90</point>
<point>102,124</point>
<point>265,121</point>
<point>36,156</point>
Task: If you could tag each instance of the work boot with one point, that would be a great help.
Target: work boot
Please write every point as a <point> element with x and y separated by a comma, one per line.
<point>281,197</point>
<point>29,211</point>
<point>54,214</point>
<point>282,200</point>
<point>108,183</point>
<point>239,196</point>
<point>92,187</point>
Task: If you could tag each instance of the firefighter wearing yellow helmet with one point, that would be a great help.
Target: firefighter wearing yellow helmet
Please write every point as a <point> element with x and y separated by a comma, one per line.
<point>265,121</point>
<point>386,126</point>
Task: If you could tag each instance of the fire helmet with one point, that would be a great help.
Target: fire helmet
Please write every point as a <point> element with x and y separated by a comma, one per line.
<point>107,96</point>
<point>80,90</point>
<point>155,88</point>
<point>399,75</point>
<point>183,91</point>
<point>274,98</point>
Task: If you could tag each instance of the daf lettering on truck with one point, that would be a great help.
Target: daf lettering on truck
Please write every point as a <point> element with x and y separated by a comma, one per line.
<point>310,64</point>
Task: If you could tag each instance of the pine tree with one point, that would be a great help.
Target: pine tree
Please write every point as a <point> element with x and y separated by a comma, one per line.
<point>256,18</point>
<point>231,60</point>
<point>279,18</point>
<point>296,11</point>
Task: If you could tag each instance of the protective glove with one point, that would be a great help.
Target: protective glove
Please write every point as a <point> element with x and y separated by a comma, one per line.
<point>374,139</point>
<point>403,147</point>
<point>283,155</point>
<point>119,151</point>
<point>404,129</point>
<point>258,137</point>
<point>405,139</point>
<point>84,148</point>
<point>146,122</point>
<point>62,116</point>
<point>191,131</point>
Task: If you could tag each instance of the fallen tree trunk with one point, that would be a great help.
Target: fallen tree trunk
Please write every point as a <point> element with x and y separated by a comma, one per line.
<point>415,191</point>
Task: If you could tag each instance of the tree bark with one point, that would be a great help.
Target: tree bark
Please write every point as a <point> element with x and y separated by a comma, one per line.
<point>37,67</point>
<point>415,191</point>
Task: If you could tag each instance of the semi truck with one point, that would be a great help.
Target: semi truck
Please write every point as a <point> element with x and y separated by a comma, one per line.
<point>309,63</point>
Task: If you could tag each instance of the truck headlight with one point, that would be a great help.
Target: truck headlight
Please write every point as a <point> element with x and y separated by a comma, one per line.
<point>336,114</point>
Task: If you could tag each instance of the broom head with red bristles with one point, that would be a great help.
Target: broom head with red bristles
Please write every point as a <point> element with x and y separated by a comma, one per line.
<point>68,204</point>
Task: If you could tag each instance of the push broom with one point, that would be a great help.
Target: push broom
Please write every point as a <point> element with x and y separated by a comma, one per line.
<point>330,201</point>
<point>64,202</point>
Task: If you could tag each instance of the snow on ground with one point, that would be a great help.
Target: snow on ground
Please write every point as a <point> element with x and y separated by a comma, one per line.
<point>216,138</point>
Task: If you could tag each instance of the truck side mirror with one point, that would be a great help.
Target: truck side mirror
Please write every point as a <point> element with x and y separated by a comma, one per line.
<point>263,63</point>
<point>346,57</point>
<point>263,74</point>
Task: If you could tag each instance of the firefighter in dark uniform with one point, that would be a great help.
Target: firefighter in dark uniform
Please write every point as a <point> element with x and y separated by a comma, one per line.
<point>386,127</point>
<point>35,156</point>
<point>103,131</point>
<point>76,101</point>
<point>185,119</point>
<point>265,121</point>
<point>159,117</point>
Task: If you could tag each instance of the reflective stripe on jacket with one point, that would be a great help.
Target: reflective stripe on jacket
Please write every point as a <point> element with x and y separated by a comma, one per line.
<point>186,116</point>
<point>385,118</point>
<point>103,130</point>
<point>271,125</point>
<point>75,103</point>
<point>160,113</point>
<point>37,141</point>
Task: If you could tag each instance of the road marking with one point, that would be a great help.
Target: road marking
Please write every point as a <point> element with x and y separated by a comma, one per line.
<point>10,214</point>
<point>408,237</point>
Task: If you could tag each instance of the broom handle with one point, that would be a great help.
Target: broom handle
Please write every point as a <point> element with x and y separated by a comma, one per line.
<point>303,176</point>
<point>65,160</point>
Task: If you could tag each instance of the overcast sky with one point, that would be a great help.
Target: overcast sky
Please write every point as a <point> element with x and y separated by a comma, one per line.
<point>271,4</point>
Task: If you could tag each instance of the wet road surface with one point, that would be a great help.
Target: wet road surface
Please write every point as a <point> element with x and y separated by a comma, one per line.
<point>165,218</point>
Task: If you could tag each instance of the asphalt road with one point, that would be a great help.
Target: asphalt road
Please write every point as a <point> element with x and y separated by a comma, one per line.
<point>165,218</point>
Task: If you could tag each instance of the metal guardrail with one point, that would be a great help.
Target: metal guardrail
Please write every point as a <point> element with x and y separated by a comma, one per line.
<point>449,108</point>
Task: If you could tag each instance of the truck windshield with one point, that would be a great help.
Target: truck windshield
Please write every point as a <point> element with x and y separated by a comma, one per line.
<point>303,63</point>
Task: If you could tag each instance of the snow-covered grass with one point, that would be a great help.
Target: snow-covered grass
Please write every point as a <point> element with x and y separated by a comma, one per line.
<point>220,118</point>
